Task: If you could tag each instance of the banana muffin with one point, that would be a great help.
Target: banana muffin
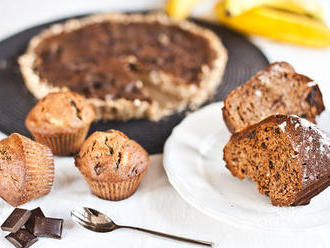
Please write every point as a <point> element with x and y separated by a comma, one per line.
<point>61,121</point>
<point>26,169</point>
<point>112,164</point>
<point>288,158</point>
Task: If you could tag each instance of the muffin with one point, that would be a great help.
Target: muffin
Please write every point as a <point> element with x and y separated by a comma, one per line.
<point>112,164</point>
<point>61,121</point>
<point>27,169</point>
<point>288,158</point>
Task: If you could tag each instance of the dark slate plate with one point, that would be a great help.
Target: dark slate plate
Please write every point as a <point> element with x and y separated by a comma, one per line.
<point>15,101</point>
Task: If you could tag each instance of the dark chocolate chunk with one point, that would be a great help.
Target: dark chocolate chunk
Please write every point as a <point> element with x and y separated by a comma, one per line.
<point>16,220</point>
<point>30,223</point>
<point>252,134</point>
<point>22,238</point>
<point>48,227</point>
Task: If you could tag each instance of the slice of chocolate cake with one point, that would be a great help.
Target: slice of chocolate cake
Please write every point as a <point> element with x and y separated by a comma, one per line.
<point>127,65</point>
<point>287,157</point>
<point>277,89</point>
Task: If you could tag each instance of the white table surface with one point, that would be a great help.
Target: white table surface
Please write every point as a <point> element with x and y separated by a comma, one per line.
<point>156,205</point>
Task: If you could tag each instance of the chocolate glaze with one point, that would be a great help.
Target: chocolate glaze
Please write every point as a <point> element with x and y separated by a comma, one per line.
<point>102,60</point>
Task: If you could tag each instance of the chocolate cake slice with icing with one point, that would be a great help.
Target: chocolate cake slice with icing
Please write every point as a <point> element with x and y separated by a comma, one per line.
<point>129,66</point>
<point>288,158</point>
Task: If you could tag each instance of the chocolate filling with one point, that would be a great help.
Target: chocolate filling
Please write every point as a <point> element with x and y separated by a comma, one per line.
<point>106,60</point>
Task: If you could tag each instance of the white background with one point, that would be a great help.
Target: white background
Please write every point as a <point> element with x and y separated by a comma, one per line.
<point>156,205</point>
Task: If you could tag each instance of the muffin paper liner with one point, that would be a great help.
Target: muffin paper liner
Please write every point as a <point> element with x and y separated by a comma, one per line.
<point>40,173</point>
<point>115,191</point>
<point>63,144</point>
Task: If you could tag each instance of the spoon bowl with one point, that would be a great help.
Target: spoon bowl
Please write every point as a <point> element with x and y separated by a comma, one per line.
<point>93,220</point>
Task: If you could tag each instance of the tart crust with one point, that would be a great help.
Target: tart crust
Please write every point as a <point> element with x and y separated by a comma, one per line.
<point>182,95</point>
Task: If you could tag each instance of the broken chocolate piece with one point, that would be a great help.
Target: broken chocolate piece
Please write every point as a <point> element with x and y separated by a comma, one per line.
<point>16,220</point>
<point>48,227</point>
<point>30,223</point>
<point>22,238</point>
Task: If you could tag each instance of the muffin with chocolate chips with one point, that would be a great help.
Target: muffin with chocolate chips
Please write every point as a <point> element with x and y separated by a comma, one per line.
<point>26,169</point>
<point>61,121</point>
<point>112,164</point>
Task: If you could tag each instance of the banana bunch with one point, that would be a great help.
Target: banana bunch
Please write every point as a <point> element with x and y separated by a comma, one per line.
<point>298,22</point>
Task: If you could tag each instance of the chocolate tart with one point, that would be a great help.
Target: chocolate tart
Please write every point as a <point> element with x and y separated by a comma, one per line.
<point>128,66</point>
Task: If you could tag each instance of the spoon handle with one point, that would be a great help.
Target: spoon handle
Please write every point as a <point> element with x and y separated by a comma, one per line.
<point>198,242</point>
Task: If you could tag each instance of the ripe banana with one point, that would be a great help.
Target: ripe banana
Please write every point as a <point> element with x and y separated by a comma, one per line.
<point>278,25</point>
<point>180,9</point>
<point>304,7</point>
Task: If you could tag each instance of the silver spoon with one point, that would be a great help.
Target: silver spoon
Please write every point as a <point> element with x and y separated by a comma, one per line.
<point>98,222</point>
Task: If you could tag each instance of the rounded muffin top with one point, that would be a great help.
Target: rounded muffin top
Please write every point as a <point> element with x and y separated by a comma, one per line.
<point>60,112</point>
<point>111,156</point>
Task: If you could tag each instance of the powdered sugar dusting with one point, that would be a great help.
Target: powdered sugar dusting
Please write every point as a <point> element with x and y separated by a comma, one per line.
<point>258,93</point>
<point>277,68</point>
<point>311,84</point>
<point>315,144</point>
<point>282,126</point>
<point>264,79</point>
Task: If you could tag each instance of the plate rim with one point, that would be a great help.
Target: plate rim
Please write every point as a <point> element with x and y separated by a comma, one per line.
<point>219,216</point>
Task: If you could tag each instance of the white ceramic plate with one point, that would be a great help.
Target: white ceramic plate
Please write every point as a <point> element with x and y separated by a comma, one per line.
<point>194,165</point>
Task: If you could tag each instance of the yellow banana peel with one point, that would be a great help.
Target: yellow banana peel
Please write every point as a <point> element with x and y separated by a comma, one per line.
<point>278,25</point>
<point>180,9</point>
<point>304,7</point>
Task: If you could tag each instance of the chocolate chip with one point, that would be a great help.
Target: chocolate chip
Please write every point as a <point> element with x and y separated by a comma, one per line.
<point>277,130</point>
<point>251,135</point>
<point>98,169</point>
<point>271,165</point>
<point>132,67</point>
<point>118,160</point>
<point>78,111</point>
<point>263,145</point>
<point>109,147</point>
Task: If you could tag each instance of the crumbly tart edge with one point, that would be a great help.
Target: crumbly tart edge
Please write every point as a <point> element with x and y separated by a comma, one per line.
<point>122,109</point>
